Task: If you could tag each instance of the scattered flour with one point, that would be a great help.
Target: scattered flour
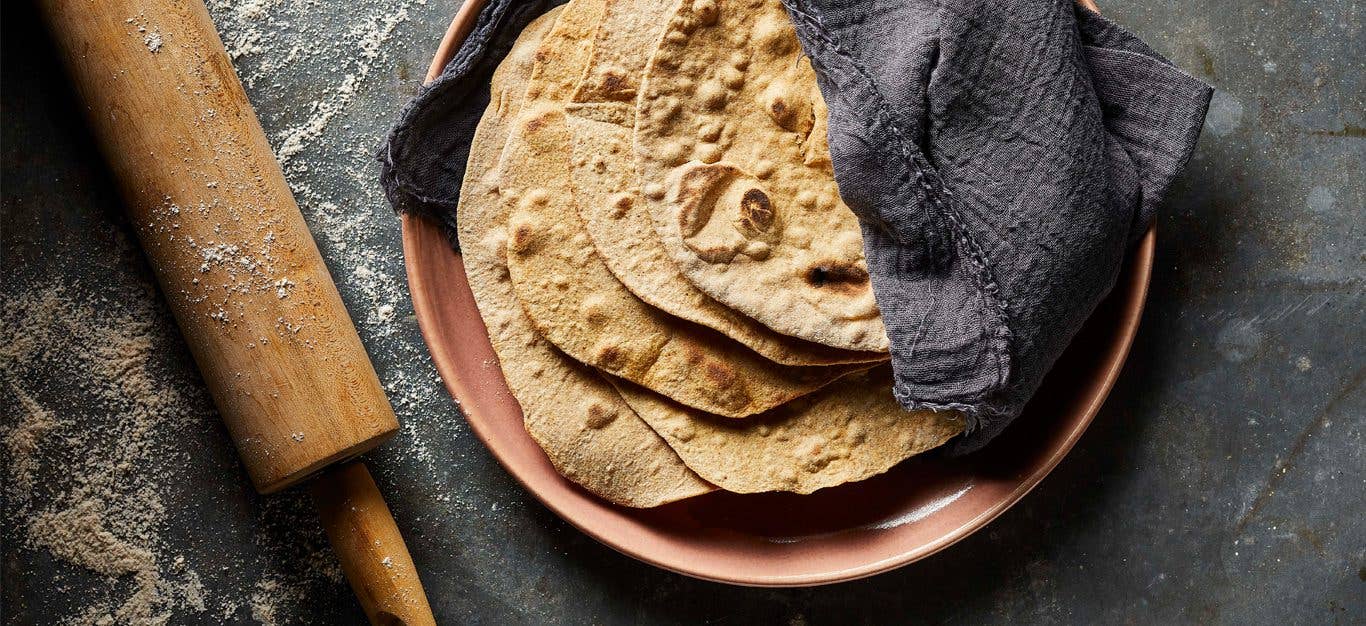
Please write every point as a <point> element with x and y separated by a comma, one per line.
<point>371,36</point>
<point>22,440</point>
<point>98,506</point>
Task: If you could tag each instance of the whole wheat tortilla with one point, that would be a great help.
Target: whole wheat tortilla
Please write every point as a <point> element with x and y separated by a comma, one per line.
<point>735,170</point>
<point>627,33</point>
<point>606,196</point>
<point>564,52</point>
<point>852,430</point>
<point>590,435</point>
<point>578,305</point>
<point>602,118</point>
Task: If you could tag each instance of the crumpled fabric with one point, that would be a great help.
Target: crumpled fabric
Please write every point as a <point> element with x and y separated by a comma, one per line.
<point>1001,155</point>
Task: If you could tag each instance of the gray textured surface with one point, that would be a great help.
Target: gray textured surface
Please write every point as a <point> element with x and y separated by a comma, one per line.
<point>1223,480</point>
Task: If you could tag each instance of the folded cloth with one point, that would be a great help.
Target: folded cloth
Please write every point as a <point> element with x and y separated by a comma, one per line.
<point>1000,154</point>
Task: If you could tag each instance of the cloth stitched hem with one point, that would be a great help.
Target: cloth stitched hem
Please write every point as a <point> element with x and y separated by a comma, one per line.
<point>973,414</point>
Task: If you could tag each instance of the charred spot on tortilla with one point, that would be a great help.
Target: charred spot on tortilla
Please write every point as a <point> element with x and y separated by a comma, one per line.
<point>756,212</point>
<point>840,277</point>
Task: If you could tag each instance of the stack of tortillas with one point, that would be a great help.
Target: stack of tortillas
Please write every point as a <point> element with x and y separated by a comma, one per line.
<point>675,291</point>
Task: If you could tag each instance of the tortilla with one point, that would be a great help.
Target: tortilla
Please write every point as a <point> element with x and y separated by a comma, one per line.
<point>563,53</point>
<point>602,118</point>
<point>576,303</point>
<point>590,435</point>
<point>852,430</point>
<point>735,172</point>
<point>628,32</point>
<point>605,194</point>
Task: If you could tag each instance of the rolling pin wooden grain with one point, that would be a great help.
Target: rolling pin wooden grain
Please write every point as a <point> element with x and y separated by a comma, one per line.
<point>240,270</point>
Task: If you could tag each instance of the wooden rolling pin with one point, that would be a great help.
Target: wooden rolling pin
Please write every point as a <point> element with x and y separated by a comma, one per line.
<point>240,271</point>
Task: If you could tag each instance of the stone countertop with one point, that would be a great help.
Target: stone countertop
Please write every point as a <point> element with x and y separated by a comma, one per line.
<point>1223,480</point>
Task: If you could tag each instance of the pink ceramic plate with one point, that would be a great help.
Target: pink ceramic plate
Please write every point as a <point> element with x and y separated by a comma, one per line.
<point>777,540</point>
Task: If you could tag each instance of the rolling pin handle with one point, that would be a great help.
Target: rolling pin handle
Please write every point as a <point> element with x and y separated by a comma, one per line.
<point>371,550</point>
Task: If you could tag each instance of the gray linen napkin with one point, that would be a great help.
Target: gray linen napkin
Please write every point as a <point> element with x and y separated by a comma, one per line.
<point>1001,156</point>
